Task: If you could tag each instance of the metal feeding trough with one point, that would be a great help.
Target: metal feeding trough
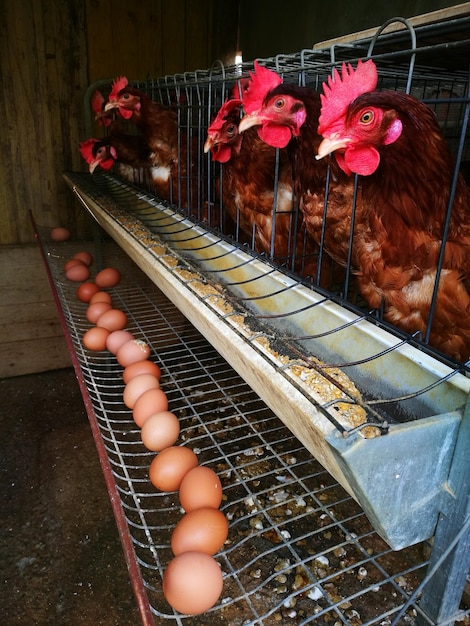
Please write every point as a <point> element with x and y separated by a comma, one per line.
<point>386,431</point>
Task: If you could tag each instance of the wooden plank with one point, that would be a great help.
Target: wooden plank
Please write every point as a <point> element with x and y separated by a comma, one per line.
<point>7,147</point>
<point>223,31</point>
<point>19,82</point>
<point>196,35</point>
<point>31,335</point>
<point>173,37</point>
<point>18,358</point>
<point>35,311</point>
<point>31,322</point>
<point>151,44</point>
<point>99,28</point>
<point>418,20</point>
<point>124,37</point>
<point>42,77</point>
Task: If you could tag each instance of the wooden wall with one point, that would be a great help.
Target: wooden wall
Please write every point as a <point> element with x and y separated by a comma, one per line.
<point>150,39</point>
<point>31,336</point>
<point>50,51</point>
<point>43,72</point>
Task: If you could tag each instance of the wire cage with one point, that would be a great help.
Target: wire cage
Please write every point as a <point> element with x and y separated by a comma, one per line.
<point>428,63</point>
<point>351,387</point>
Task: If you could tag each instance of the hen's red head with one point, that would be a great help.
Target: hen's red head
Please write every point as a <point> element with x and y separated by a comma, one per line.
<point>262,81</point>
<point>280,116</point>
<point>350,125</point>
<point>98,106</point>
<point>340,91</point>
<point>223,134</point>
<point>268,105</point>
<point>117,86</point>
<point>98,152</point>
<point>123,98</point>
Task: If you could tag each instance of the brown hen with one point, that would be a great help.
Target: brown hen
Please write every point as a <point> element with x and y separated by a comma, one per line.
<point>174,154</point>
<point>394,141</point>
<point>287,117</point>
<point>257,191</point>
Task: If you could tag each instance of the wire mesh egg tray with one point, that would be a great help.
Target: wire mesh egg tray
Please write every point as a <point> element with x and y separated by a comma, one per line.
<point>402,495</point>
<point>299,549</point>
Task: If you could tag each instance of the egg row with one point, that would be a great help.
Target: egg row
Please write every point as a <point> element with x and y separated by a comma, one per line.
<point>192,582</point>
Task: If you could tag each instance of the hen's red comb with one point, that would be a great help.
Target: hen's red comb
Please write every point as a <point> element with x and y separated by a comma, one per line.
<point>222,114</point>
<point>97,101</point>
<point>262,80</point>
<point>86,149</point>
<point>97,104</point>
<point>342,90</point>
<point>118,83</point>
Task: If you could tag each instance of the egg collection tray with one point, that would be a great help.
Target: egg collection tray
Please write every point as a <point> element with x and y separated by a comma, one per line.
<point>351,391</point>
<point>300,549</point>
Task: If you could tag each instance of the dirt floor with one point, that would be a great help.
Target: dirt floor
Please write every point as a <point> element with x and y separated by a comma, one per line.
<point>61,560</point>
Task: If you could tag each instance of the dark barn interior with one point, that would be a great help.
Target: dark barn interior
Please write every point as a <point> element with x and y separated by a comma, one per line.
<point>336,420</point>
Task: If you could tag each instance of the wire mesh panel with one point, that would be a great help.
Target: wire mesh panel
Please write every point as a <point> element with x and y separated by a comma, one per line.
<point>300,549</point>
<point>428,63</point>
<point>368,385</point>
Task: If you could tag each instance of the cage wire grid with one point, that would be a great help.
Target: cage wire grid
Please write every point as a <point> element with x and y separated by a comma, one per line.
<point>417,61</point>
<point>172,239</point>
<point>299,586</point>
<point>300,549</point>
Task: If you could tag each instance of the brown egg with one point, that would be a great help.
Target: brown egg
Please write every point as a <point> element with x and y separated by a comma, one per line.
<point>202,530</point>
<point>95,338</point>
<point>101,296</point>
<point>86,291</point>
<point>84,256</point>
<point>96,310</point>
<point>108,277</point>
<point>170,466</point>
<point>78,273</point>
<point>201,487</point>
<point>160,431</point>
<point>59,233</point>
<point>137,386</point>
<point>114,319</point>
<point>117,338</point>
<point>72,263</point>
<point>150,402</point>
<point>141,367</point>
<point>192,582</point>
<point>132,351</point>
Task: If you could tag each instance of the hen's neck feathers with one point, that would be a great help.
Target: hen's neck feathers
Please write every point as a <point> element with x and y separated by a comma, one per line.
<point>157,122</point>
<point>308,173</point>
<point>415,173</point>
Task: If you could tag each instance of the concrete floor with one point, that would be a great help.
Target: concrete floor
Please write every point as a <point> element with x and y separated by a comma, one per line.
<point>61,560</point>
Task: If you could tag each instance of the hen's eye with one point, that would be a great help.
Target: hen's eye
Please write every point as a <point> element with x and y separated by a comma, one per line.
<point>126,96</point>
<point>231,129</point>
<point>280,103</point>
<point>367,117</point>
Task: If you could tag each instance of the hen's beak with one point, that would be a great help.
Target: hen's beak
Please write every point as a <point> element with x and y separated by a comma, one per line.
<point>109,106</point>
<point>93,165</point>
<point>248,121</point>
<point>210,143</point>
<point>331,144</point>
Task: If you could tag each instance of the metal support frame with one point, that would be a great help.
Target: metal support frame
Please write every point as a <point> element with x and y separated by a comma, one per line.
<point>450,558</point>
